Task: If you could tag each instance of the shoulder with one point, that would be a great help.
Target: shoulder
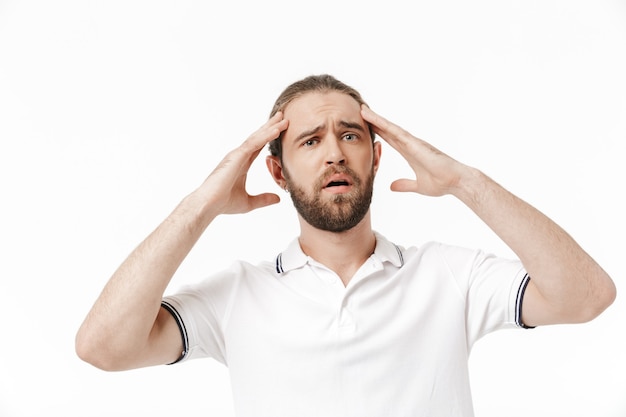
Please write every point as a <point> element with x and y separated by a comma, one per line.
<point>228,279</point>
<point>439,252</point>
<point>463,263</point>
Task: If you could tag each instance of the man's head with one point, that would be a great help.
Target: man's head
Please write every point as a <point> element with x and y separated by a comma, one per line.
<point>313,83</point>
<point>326,158</point>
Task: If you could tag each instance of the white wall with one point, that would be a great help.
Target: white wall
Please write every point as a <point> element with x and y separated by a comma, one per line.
<point>110,112</point>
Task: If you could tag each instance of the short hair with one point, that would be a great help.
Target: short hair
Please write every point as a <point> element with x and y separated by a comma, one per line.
<point>313,83</point>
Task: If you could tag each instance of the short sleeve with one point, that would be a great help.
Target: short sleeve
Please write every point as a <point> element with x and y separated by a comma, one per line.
<point>199,310</point>
<point>494,295</point>
<point>493,289</point>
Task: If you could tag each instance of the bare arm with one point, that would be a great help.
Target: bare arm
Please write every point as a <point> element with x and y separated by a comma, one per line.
<point>567,285</point>
<point>126,327</point>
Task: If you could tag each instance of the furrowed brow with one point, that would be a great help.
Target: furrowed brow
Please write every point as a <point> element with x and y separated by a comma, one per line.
<point>342,123</point>
<point>351,125</point>
<point>309,132</point>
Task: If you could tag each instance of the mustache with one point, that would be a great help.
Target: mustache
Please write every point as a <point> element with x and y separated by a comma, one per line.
<point>337,169</point>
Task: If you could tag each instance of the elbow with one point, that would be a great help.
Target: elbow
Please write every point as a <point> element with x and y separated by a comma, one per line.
<point>600,297</point>
<point>93,351</point>
<point>89,353</point>
<point>609,294</point>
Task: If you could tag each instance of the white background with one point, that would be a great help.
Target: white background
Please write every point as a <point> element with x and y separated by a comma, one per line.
<point>111,112</point>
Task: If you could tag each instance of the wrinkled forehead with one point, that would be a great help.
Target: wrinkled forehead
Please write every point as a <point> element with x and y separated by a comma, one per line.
<point>317,108</point>
<point>315,101</point>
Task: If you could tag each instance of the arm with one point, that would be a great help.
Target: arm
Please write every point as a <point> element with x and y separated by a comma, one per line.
<point>567,285</point>
<point>126,327</point>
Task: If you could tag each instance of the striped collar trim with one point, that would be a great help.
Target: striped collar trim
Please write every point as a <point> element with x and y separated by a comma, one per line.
<point>293,257</point>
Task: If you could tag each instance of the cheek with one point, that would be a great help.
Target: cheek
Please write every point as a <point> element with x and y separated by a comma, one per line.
<point>301,164</point>
<point>368,161</point>
<point>295,171</point>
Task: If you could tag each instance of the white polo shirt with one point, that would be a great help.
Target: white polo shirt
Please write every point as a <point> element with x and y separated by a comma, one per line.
<point>394,342</point>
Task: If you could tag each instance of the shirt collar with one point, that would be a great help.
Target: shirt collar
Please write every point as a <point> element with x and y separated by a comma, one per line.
<point>293,257</point>
<point>387,251</point>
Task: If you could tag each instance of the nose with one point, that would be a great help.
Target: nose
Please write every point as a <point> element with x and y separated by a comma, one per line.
<point>334,152</point>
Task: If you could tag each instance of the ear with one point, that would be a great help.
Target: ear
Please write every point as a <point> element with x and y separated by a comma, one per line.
<point>377,152</point>
<point>275,168</point>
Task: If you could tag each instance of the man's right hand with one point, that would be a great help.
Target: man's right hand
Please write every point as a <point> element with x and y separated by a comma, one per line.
<point>226,185</point>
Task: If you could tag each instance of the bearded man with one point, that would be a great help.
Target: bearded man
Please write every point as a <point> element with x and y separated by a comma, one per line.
<point>342,322</point>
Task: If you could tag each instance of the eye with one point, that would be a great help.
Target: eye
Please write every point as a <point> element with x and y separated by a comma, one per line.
<point>309,142</point>
<point>350,137</point>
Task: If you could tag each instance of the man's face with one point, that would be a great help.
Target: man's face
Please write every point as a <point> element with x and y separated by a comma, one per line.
<point>328,160</point>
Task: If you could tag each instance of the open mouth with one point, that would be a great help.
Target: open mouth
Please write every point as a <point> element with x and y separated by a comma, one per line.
<point>338,183</point>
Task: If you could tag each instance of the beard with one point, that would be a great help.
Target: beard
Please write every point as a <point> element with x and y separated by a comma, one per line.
<point>343,211</point>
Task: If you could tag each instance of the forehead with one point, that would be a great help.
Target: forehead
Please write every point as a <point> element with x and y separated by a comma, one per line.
<point>314,108</point>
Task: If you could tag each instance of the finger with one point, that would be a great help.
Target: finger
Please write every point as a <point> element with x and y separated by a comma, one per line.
<point>372,117</point>
<point>249,150</point>
<point>263,200</point>
<point>268,132</point>
<point>390,132</point>
<point>380,123</point>
<point>403,185</point>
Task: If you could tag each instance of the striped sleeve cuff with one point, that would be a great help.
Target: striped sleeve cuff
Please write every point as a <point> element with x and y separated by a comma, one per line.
<point>181,326</point>
<point>519,301</point>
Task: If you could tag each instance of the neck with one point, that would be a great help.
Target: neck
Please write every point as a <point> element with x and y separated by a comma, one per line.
<point>342,252</point>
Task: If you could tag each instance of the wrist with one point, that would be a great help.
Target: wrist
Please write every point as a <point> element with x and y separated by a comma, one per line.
<point>200,207</point>
<point>472,186</point>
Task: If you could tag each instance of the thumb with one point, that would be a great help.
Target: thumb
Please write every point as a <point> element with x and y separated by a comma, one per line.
<point>403,185</point>
<point>263,200</point>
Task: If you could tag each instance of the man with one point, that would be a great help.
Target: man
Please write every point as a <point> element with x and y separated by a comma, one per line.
<point>343,322</point>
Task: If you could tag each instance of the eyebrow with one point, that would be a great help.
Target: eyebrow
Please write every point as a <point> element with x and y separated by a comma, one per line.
<point>309,132</point>
<point>351,125</point>
<point>341,123</point>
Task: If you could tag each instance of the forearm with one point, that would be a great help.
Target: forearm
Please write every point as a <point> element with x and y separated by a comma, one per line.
<point>125,325</point>
<point>122,318</point>
<point>567,279</point>
<point>539,243</point>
